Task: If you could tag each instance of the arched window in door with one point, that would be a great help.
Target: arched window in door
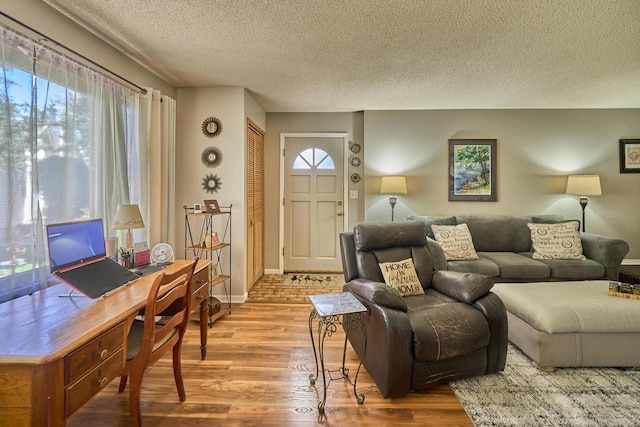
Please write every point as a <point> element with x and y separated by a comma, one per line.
<point>313,158</point>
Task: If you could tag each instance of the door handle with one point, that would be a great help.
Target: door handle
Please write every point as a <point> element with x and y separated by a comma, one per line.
<point>339,213</point>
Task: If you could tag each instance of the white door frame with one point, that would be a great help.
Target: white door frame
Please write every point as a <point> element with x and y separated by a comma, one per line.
<point>345,183</point>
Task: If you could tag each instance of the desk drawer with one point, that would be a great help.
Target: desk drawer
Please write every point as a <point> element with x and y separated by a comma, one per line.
<point>96,351</point>
<point>88,386</point>
<point>199,289</point>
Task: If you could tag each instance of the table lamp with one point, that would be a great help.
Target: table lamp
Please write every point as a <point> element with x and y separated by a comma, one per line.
<point>393,185</point>
<point>127,218</point>
<point>583,186</point>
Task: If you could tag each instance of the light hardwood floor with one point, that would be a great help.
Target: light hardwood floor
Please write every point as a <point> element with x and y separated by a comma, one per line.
<point>257,374</point>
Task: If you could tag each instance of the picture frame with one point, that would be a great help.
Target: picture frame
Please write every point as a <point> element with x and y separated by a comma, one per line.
<point>630,156</point>
<point>473,170</point>
<point>212,206</point>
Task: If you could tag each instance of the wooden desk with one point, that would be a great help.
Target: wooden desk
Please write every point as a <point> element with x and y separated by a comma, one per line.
<point>56,353</point>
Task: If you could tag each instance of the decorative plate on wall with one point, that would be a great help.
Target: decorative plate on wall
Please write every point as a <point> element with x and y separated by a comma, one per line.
<point>211,157</point>
<point>211,183</point>
<point>211,127</point>
<point>355,161</point>
<point>355,177</point>
<point>355,148</point>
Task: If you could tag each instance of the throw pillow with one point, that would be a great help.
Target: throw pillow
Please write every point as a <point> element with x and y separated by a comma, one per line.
<point>402,276</point>
<point>455,241</point>
<point>556,241</point>
<point>551,219</point>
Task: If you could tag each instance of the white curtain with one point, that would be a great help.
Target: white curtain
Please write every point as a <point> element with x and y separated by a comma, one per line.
<point>157,166</point>
<point>70,149</point>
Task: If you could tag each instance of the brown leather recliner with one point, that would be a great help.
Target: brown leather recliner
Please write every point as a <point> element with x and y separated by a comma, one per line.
<point>458,329</point>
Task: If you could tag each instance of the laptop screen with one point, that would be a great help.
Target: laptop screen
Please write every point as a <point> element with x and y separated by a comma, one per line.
<point>74,243</point>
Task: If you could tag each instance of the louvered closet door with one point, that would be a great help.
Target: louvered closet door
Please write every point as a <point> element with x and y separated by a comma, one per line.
<point>255,203</point>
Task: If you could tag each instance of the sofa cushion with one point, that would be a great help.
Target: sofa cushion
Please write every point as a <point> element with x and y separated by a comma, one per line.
<point>556,241</point>
<point>516,266</point>
<point>481,265</point>
<point>500,233</point>
<point>456,241</point>
<point>446,329</point>
<point>428,221</point>
<point>573,269</point>
<point>402,276</point>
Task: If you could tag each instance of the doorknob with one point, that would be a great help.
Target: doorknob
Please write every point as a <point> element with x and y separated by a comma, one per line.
<point>339,213</point>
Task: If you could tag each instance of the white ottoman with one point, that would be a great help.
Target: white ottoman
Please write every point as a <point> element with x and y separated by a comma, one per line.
<point>560,324</point>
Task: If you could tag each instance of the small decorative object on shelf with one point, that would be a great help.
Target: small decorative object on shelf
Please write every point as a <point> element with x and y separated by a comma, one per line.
<point>208,236</point>
<point>212,206</point>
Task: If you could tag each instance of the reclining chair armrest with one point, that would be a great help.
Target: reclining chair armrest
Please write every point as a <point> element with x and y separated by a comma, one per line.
<point>465,287</point>
<point>388,358</point>
<point>495,312</point>
<point>378,293</point>
<point>608,251</point>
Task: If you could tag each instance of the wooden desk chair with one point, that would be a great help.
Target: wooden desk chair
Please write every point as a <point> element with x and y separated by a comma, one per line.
<point>148,341</point>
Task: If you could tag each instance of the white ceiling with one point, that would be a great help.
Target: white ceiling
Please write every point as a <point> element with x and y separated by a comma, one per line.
<point>351,55</point>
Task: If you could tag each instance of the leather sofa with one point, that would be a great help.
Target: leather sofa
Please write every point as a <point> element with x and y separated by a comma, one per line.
<point>504,247</point>
<point>457,329</point>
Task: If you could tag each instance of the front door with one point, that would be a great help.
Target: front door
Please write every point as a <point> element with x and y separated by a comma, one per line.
<point>314,209</point>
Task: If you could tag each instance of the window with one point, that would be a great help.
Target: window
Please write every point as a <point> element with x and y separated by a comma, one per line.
<point>64,137</point>
<point>313,158</point>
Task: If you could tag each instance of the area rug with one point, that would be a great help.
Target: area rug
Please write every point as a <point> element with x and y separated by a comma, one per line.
<point>523,395</point>
<point>314,279</point>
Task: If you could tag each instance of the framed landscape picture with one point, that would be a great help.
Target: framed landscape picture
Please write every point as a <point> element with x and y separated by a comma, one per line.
<point>630,156</point>
<point>472,170</point>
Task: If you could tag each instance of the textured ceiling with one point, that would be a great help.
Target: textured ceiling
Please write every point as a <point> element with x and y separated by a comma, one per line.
<point>351,55</point>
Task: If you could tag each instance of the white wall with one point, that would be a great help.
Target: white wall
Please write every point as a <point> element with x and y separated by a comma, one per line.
<point>537,149</point>
<point>231,105</point>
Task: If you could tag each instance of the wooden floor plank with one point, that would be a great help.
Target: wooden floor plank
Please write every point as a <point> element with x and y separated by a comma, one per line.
<point>257,374</point>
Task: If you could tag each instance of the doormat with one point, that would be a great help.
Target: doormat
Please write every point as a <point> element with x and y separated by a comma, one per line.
<point>314,279</point>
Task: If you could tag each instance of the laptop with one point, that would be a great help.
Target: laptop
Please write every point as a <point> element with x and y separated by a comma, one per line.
<point>77,256</point>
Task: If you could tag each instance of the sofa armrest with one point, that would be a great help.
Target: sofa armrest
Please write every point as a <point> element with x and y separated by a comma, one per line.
<point>378,293</point>
<point>437,254</point>
<point>465,287</point>
<point>608,251</point>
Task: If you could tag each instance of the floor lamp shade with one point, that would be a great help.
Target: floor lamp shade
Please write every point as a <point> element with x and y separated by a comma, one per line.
<point>393,185</point>
<point>584,186</point>
<point>127,218</point>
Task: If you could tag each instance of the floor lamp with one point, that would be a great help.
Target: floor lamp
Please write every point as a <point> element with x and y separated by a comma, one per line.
<point>393,185</point>
<point>583,186</point>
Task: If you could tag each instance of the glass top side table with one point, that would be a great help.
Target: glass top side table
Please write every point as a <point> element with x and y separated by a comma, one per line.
<point>332,310</point>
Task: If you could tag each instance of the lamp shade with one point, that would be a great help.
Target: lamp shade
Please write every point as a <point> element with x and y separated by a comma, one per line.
<point>393,185</point>
<point>584,185</point>
<point>128,217</point>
